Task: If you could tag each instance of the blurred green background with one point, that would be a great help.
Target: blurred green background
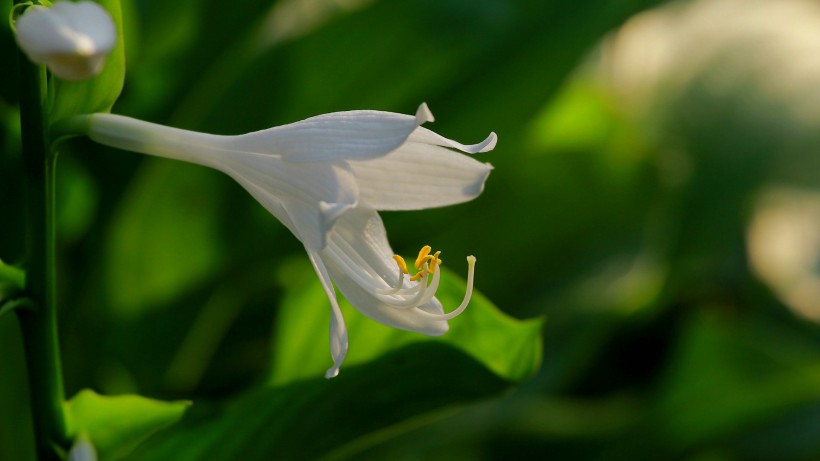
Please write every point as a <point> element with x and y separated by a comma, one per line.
<point>656,198</point>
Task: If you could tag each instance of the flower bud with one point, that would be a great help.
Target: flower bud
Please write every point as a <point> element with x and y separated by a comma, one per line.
<point>71,39</point>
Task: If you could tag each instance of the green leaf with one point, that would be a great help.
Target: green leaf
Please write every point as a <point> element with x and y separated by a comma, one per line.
<point>331,419</point>
<point>12,282</point>
<point>96,94</point>
<point>12,276</point>
<point>10,305</point>
<point>116,425</point>
<point>511,348</point>
<point>164,238</point>
<point>739,365</point>
<point>734,381</point>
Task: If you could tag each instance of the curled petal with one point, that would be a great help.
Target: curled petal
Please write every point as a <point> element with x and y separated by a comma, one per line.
<point>338,331</point>
<point>359,260</point>
<point>425,136</point>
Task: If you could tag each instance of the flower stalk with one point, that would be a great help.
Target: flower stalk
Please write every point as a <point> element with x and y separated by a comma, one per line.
<point>39,326</point>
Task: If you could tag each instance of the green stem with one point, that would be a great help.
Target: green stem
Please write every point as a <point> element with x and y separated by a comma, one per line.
<point>39,326</point>
<point>77,125</point>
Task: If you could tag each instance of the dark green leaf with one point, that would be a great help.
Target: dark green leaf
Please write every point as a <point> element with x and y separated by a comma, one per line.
<point>330,419</point>
<point>117,424</point>
<point>163,238</point>
<point>731,377</point>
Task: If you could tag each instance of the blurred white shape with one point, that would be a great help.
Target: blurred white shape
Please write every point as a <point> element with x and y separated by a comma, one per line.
<point>71,39</point>
<point>293,18</point>
<point>724,45</point>
<point>82,450</point>
<point>783,241</point>
<point>745,73</point>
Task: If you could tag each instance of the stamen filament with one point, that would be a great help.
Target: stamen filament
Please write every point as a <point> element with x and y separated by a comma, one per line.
<point>395,289</point>
<point>420,293</point>
<point>424,293</point>
<point>431,289</point>
<point>435,261</point>
<point>457,311</point>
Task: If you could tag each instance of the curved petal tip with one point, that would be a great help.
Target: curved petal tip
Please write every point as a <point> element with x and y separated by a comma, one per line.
<point>484,146</point>
<point>488,144</point>
<point>332,372</point>
<point>423,114</point>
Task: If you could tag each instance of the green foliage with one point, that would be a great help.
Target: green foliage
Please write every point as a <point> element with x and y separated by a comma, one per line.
<point>166,259</point>
<point>117,424</point>
<point>627,230</point>
<point>510,348</point>
<point>755,379</point>
<point>331,419</point>
<point>12,281</point>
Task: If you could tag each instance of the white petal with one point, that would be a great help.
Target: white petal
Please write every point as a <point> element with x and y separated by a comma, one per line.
<point>420,175</point>
<point>91,20</point>
<point>358,245</point>
<point>38,34</point>
<point>349,135</point>
<point>423,135</point>
<point>314,196</point>
<point>134,135</point>
<point>311,226</point>
<point>72,39</point>
<point>75,68</point>
<point>338,331</point>
<point>307,197</point>
<point>272,203</point>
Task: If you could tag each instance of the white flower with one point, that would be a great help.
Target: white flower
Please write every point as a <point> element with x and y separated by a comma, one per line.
<point>72,39</point>
<point>783,242</point>
<point>325,178</point>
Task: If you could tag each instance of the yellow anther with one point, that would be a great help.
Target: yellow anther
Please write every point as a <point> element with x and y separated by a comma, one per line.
<point>422,257</point>
<point>425,263</point>
<point>402,265</point>
<point>434,262</point>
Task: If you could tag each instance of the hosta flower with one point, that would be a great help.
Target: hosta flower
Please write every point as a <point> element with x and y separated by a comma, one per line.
<point>71,39</point>
<point>325,178</point>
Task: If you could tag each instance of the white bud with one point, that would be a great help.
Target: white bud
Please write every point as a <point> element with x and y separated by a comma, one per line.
<point>71,39</point>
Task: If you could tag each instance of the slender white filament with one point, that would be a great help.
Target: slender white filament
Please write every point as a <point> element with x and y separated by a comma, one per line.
<point>424,292</point>
<point>457,311</point>
<point>395,289</point>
